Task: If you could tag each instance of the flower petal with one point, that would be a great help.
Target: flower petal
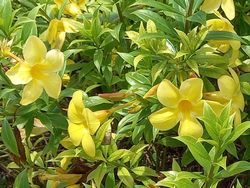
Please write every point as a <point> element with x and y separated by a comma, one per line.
<point>20,73</point>
<point>76,107</point>
<point>216,96</point>
<point>216,106</point>
<point>52,84</point>
<point>192,89</point>
<point>229,9</point>
<point>88,144</point>
<point>54,61</point>
<point>237,117</point>
<point>209,6</point>
<point>31,92</point>
<point>190,127</point>
<point>238,101</point>
<point>34,50</point>
<point>197,108</point>
<point>227,86</point>
<point>76,132</point>
<point>168,94</point>
<point>164,119</point>
<point>92,122</point>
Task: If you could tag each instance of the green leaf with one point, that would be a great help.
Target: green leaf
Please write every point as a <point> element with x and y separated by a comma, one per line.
<point>158,5</point>
<point>125,177</point>
<point>119,154</point>
<point>238,131</point>
<point>100,134</point>
<point>98,174</point>
<point>199,17</point>
<point>127,57</point>
<point>144,171</point>
<point>234,169</point>
<point>222,35</point>
<point>8,137</point>
<point>161,24</point>
<point>98,57</point>
<point>198,151</point>
<point>6,15</point>
<point>22,180</point>
<point>45,121</point>
<point>110,180</point>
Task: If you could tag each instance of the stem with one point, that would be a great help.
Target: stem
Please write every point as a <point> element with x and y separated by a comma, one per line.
<point>189,13</point>
<point>121,106</point>
<point>211,170</point>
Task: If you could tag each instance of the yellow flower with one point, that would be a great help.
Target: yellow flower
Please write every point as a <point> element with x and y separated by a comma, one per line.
<point>224,45</point>
<point>39,71</point>
<point>182,105</point>
<point>82,124</point>
<point>56,32</point>
<point>73,8</point>
<point>229,90</point>
<point>210,6</point>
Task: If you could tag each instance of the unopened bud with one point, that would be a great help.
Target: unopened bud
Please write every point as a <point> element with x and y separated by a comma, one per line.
<point>134,109</point>
<point>102,115</point>
<point>114,96</point>
<point>151,92</point>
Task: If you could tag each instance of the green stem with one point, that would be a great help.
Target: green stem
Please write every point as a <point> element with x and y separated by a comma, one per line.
<point>189,13</point>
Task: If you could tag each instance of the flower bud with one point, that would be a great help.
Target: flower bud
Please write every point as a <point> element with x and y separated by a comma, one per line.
<point>102,115</point>
<point>151,92</point>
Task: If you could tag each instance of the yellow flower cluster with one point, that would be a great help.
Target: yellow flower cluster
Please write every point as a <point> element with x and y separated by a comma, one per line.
<point>73,7</point>
<point>224,46</point>
<point>210,6</point>
<point>184,105</point>
<point>38,71</point>
<point>82,124</point>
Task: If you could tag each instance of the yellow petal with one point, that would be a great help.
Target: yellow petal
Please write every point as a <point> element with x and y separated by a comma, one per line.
<point>92,122</point>
<point>70,26</point>
<point>216,106</point>
<point>52,85</point>
<point>191,89</point>
<point>216,96</point>
<point>72,9</point>
<point>20,73</point>
<point>76,106</point>
<point>164,119</point>
<point>168,94</point>
<point>237,117</point>
<point>235,44</point>
<point>34,50</point>
<point>229,9</point>
<point>31,92</point>
<point>190,127</point>
<point>76,132</point>
<point>88,144</point>
<point>210,6</point>
<point>227,86</point>
<point>54,61</point>
<point>238,101</point>
<point>197,109</point>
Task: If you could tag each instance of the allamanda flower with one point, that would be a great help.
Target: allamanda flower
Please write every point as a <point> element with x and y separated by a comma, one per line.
<point>224,45</point>
<point>229,90</point>
<point>73,8</point>
<point>39,71</point>
<point>182,105</point>
<point>82,124</point>
<point>56,32</point>
<point>210,6</point>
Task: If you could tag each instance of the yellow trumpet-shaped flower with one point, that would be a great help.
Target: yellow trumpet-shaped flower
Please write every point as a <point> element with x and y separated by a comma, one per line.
<point>182,105</point>
<point>73,7</point>
<point>56,32</point>
<point>82,124</point>
<point>210,6</point>
<point>229,90</point>
<point>39,71</point>
<point>224,45</point>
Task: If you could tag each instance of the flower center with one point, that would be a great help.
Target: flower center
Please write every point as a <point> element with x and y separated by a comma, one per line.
<point>36,72</point>
<point>185,106</point>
